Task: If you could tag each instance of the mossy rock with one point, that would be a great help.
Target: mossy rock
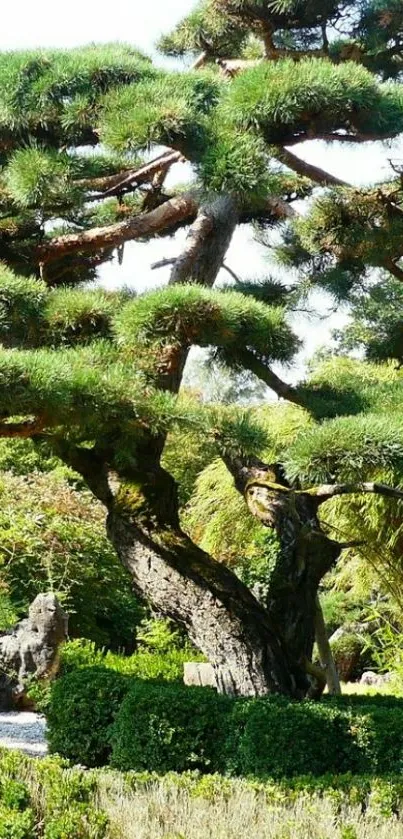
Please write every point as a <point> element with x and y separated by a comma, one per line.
<point>351,655</point>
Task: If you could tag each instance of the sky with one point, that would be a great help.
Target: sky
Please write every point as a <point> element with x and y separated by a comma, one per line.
<point>44,23</point>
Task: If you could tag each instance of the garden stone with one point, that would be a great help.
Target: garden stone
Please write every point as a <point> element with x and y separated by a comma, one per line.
<point>31,649</point>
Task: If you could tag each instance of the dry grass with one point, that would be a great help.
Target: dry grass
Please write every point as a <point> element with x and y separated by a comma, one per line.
<point>392,688</point>
<point>161,811</point>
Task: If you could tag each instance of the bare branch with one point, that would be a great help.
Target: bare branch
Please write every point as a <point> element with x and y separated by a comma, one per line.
<point>199,61</point>
<point>134,178</point>
<point>266,375</point>
<point>162,263</point>
<point>231,272</point>
<point>170,260</point>
<point>327,491</point>
<point>308,170</point>
<point>175,212</point>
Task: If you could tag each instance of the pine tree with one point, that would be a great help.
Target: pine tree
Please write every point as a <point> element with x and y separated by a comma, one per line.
<point>97,375</point>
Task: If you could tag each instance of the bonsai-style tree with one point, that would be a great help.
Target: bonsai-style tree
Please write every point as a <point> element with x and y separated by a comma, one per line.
<point>98,375</point>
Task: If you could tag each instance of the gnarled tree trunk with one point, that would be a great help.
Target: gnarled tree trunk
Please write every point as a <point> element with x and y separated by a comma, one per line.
<point>254,650</point>
<point>219,613</point>
<point>306,554</point>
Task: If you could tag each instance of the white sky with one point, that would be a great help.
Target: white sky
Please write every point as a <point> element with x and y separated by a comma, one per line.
<point>44,23</point>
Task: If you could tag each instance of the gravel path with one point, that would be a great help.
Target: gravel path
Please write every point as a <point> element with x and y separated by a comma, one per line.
<point>24,731</point>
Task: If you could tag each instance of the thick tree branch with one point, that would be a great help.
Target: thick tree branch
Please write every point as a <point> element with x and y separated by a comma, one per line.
<point>162,263</point>
<point>271,206</point>
<point>207,243</point>
<point>332,136</point>
<point>200,229</point>
<point>91,464</point>
<point>327,491</point>
<point>308,170</point>
<point>175,212</point>
<point>178,211</point>
<point>266,375</point>
<point>133,179</point>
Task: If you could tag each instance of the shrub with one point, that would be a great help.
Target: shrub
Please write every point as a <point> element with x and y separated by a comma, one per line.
<point>56,537</point>
<point>170,727</point>
<point>15,825</point>
<point>145,663</point>
<point>82,706</point>
<point>280,738</point>
<point>83,702</point>
<point>76,822</point>
<point>54,801</point>
<point>47,799</point>
<point>99,714</point>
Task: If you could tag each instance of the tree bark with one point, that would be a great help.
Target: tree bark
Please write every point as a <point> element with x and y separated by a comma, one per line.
<point>219,613</point>
<point>180,210</point>
<point>207,243</point>
<point>306,554</point>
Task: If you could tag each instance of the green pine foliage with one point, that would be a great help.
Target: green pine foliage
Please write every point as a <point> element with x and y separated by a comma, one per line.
<point>380,28</point>
<point>354,225</point>
<point>166,110</point>
<point>227,320</point>
<point>87,368</point>
<point>50,96</point>
<point>376,324</point>
<point>206,26</point>
<point>365,445</point>
<point>286,99</point>
<point>37,177</point>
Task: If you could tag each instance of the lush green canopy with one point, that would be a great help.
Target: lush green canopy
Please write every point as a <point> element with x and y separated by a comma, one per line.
<point>97,375</point>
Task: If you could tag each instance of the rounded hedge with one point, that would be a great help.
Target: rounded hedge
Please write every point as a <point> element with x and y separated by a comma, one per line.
<point>99,716</point>
<point>83,704</point>
<point>165,727</point>
<point>280,738</point>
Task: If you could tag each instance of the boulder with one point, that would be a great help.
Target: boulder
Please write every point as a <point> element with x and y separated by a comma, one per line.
<point>199,673</point>
<point>349,649</point>
<point>31,649</point>
<point>375,679</point>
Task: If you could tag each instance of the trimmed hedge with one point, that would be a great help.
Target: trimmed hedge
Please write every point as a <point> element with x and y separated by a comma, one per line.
<point>83,704</point>
<point>162,727</point>
<point>98,716</point>
<point>281,738</point>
